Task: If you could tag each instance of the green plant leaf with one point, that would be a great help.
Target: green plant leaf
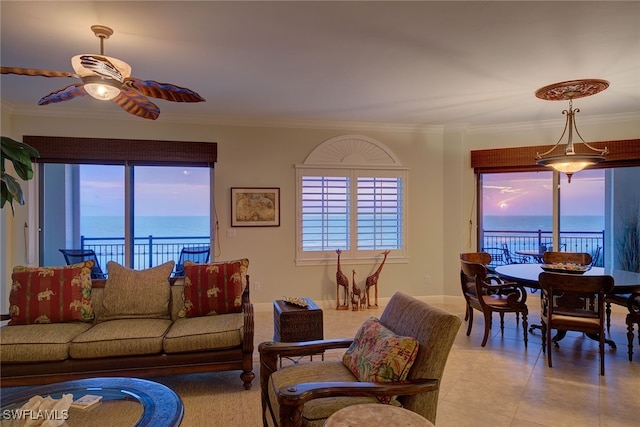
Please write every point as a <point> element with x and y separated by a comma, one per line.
<point>20,155</point>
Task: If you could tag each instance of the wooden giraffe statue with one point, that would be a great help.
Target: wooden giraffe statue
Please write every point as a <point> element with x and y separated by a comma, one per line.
<point>341,280</point>
<point>356,294</point>
<point>372,281</point>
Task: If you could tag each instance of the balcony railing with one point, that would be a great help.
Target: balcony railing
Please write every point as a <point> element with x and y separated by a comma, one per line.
<point>570,241</point>
<point>147,251</point>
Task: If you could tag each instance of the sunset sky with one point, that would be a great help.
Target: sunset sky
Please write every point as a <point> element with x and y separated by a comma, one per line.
<point>530,193</point>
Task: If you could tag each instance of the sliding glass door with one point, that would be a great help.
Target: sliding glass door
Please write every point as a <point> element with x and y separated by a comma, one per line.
<point>139,216</point>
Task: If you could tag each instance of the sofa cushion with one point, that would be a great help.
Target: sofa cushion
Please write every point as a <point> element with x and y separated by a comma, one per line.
<point>122,337</point>
<point>38,343</point>
<point>51,294</point>
<point>136,294</point>
<point>204,333</point>
<point>316,411</point>
<point>214,288</point>
<point>379,355</point>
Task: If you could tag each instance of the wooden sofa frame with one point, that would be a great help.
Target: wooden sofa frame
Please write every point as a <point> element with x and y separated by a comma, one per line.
<point>239,358</point>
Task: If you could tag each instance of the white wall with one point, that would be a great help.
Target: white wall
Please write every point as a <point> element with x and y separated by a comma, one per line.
<point>440,195</point>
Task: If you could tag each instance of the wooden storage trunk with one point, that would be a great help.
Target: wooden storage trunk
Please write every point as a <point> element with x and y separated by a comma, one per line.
<point>292,323</point>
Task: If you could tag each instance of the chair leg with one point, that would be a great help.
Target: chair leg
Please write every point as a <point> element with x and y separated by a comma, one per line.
<point>466,313</point>
<point>502,323</point>
<point>470,325</point>
<point>607,311</point>
<point>547,338</point>
<point>524,328</point>
<point>487,327</point>
<point>602,351</point>
<point>630,336</point>
<point>543,330</point>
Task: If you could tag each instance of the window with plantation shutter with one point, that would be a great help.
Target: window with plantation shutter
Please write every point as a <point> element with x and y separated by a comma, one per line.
<point>325,213</point>
<point>351,202</point>
<point>379,217</point>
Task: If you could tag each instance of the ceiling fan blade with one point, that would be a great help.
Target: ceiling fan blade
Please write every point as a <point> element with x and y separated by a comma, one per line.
<point>35,72</point>
<point>164,91</point>
<point>69,92</point>
<point>136,104</point>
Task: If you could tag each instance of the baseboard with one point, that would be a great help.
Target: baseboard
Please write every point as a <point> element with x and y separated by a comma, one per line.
<point>331,304</point>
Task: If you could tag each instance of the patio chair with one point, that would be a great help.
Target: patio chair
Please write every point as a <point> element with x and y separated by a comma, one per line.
<point>197,254</point>
<point>306,394</point>
<point>497,257</point>
<point>513,258</point>
<point>74,256</point>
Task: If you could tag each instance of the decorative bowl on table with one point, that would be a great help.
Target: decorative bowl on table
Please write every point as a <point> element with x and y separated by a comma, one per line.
<point>300,302</point>
<point>566,267</point>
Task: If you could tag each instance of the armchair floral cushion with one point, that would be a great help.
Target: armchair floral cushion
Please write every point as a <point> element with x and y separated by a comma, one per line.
<point>379,355</point>
<point>51,294</point>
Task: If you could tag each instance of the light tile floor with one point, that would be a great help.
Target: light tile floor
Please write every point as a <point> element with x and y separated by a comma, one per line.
<point>504,384</point>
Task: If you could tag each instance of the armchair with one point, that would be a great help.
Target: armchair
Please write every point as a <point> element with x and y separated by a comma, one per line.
<point>480,294</point>
<point>305,394</point>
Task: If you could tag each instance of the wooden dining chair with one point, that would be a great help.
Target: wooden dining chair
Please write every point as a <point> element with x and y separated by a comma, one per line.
<point>582,258</point>
<point>571,302</point>
<point>486,297</point>
<point>633,304</point>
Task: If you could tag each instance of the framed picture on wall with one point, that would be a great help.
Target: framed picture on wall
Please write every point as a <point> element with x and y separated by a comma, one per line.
<point>255,207</point>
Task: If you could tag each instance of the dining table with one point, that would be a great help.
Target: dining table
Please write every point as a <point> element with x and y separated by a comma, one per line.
<point>527,275</point>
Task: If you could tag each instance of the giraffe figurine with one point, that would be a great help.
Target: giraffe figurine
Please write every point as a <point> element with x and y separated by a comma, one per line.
<point>356,294</point>
<point>341,280</point>
<point>372,281</point>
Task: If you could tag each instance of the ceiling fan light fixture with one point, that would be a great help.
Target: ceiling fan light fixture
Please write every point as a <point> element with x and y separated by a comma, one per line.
<point>571,162</point>
<point>101,88</point>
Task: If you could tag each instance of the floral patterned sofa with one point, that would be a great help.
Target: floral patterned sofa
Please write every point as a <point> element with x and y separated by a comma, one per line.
<point>63,325</point>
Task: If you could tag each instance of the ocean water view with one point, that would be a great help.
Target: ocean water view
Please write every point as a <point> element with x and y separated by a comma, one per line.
<point>187,226</point>
<point>544,223</point>
<point>156,226</point>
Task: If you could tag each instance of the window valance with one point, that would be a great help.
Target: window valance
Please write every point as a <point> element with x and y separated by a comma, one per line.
<point>135,152</point>
<point>522,159</point>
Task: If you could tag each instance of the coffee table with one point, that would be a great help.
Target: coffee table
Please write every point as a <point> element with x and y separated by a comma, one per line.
<point>125,402</point>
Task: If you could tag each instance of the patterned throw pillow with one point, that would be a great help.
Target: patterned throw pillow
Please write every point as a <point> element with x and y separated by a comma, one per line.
<point>51,294</point>
<point>214,288</point>
<point>379,355</point>
<point>136,294</point>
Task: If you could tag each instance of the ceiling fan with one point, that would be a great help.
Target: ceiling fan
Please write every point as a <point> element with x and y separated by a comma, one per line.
<point>108,78</point>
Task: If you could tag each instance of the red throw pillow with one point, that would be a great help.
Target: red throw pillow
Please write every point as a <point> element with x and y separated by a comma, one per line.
<point>214,288</point>
<point>51,294</point>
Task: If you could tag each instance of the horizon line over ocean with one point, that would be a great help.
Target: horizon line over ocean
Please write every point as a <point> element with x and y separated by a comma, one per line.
<point>169,226</point>
<point>543,222</point>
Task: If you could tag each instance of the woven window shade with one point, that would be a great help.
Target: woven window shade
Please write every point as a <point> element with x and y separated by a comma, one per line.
<point>135,152</point>
<point>523,159</point>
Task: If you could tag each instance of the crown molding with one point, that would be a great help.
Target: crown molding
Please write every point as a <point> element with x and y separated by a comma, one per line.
<point>312,124</point>
<point>525,126</point>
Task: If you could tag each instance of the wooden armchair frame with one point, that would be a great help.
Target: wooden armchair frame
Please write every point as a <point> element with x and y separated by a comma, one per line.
<point>482,295</point>
<point>292,398</point>
<point>418,393</point>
